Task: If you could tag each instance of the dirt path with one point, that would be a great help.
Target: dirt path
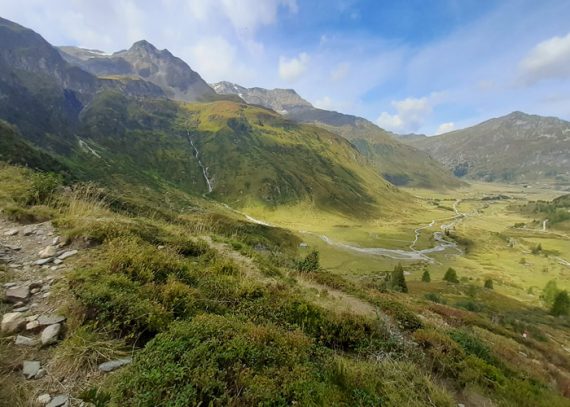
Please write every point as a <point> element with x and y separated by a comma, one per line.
<point>334,300</point>
<point>32,261</point>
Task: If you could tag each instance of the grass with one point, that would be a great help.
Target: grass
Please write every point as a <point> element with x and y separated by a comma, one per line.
<point>213,311</point>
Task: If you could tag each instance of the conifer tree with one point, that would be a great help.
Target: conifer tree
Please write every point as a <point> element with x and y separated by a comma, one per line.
<point>398,280</point>
<point>451,276</point>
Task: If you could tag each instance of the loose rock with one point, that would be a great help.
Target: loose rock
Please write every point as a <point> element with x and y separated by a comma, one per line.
<point>32,325</point>
<point>30,368</point>
<point>59,400</point>
<point>12,322</point>
<point>49,251</point>
<point>41,262</point>
<point>11,232</point>
<point>27,231</point>
<point>67,254</point>
<point>50,334</point>
<point>25,341</point>
<point>16,294</point>
<point>43,399</point>
<point>114,364</point>
<point>50,319</point>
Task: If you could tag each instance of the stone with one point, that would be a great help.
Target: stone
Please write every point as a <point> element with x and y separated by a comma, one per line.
<point>43,399</point>
<point>14,247</point>
<point>59,400</point>
<point>32,325</point>
<point>114,364</point>
<point>32,317</point>
<point>41,373</point>
<point>46,295</point>
<point>12,322</point>
<point>56,240</point>
<point>36,284</point>
<point>21,309</point>
<point>50,334</point>
<point>50,319</point>
<point>49,251</point>
<point>27,231</point>
<point>10,285</point>
<point>34,291</point>
<point>41,262</point>
<point>30,368</point>
<point>11,232</point>
<point>16,294</point>
<point>67,254</point>
<point>57,262</point>
<point>25,341</point>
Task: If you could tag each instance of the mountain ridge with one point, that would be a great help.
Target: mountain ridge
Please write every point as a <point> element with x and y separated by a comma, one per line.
<point>525,148</point>
<point>398,163</point>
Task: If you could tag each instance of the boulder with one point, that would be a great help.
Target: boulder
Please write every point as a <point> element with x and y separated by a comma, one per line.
<point>15,294</point>
<point>50,334</point>
<point>12,322</point>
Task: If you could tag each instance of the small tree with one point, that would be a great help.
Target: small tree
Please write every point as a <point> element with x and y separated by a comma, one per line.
<point>488,284</point>
<point>451,276</point>
<point>398,280</point>
<point>426,278</point>
<point>561,304</point>
<point>310,263</point>
<point>550,292</point>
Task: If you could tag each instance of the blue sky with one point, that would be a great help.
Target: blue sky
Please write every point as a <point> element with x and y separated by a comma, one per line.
<point>409,66</point>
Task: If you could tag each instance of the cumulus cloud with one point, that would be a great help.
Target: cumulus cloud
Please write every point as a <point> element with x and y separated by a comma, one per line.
<point>445,128</point>
<point>549,59</point>
<point>410,114</point>
<point>213,55</point>
<point>291,69</point>
<point>340,72</point>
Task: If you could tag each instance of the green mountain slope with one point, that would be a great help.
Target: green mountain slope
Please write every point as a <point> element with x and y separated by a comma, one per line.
<point>513,148</point>
<point>128,135</point>
<point>396,162</point>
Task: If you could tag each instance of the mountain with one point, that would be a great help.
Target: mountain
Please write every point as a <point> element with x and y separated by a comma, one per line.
<point>101,129</point>
<point>517,147</point>
<point>144,60</point>
<point>396,162</point>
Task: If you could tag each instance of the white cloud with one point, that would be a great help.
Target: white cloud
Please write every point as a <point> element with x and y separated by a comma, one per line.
<point>549,59</point>
<point>214,56</point>
<point>291,69</point>
<point>340,72</point>
<point>251,14</point>
<point>410,114</point>
<point>445,128</point>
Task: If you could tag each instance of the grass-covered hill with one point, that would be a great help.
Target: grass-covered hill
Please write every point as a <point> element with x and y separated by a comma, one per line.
<point>398,163</point>
<point>209,318</point>
<point>514,148</point>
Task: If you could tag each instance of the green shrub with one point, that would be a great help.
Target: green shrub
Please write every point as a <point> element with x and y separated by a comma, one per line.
<point>469,305</point>
<point>398,280</point>
<point>426,278</point>
<point>549,292</point>
<point>435,297</point>
<point>561,305</point>
<point>310,263</point>
<point>488,284</point>
<point>218,361</point>
<point>451,276</point>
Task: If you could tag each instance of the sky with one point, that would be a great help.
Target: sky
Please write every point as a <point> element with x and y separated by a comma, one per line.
<point>422,66</point>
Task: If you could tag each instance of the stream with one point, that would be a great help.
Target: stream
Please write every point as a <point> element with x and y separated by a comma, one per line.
<point>207,178</point>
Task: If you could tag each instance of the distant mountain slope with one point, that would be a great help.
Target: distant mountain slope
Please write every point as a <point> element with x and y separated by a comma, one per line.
<point>396,162</point>
<point>144,60</point>
<point>514,148</point>
<point>126,133</point>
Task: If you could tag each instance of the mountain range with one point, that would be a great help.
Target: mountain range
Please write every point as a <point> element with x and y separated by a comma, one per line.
<point>396,162</point>
<point>517,147</point>
<point>124,120</point>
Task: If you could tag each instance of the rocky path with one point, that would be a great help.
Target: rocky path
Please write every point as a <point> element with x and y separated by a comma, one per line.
<point>33,260</point>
